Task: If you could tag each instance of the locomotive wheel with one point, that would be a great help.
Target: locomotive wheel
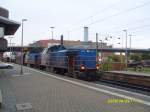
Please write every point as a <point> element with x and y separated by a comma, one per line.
<point>47,69</point>
<point>67,74</point>
<point>62,71</point>
<point>89,78</point>
<point>51,69</point>
<point>56,70</point>
<point>75,76</point>
<point>28,65</point>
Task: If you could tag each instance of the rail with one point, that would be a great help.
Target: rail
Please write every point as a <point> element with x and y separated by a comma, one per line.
<point>131,81</point>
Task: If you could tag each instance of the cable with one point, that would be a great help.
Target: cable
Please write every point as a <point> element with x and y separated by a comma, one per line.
<point>104,9</point>
<point>117,14</point>
<point>135,28</point>
<point>139,27</point>
<point>120,13</point>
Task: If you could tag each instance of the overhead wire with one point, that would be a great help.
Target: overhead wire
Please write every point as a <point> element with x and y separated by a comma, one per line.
<point>97,13</point>
<point>120,13</point>
<point>139,27</point>
<point>134,28</point>
<point>117,14</point>
<point>104,9</point>
<point>129,29</point>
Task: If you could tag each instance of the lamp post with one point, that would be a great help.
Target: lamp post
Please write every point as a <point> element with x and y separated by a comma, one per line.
<point>103,46</point>
<point>69,35</point>
<point>10,48</point>
<point>21,71</point>
<point>97,47</point>
<point>131,41</point>
<point>101,49</point>
<point>52,30</point>
<point>126,52</point>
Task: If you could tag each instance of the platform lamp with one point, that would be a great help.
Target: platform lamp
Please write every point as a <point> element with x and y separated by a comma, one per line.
<point>96,47</point>
<point>52,31</point>
<point>101,47</point>
<point>22,22</point>
<point>126,52</point>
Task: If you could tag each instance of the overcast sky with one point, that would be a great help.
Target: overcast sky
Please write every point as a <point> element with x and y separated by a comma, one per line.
<point>106,17</point>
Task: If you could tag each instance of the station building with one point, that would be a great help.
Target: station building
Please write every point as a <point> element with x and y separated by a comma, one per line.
<point>7,27</point>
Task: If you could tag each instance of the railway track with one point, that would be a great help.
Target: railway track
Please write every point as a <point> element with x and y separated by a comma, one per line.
<point>126,85</point>
<point>136,82</point>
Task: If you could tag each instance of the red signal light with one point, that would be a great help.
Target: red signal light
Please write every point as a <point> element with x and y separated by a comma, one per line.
<point>97,66</point>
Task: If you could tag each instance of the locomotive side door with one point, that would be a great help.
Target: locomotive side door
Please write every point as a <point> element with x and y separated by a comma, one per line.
<point>71,64</point>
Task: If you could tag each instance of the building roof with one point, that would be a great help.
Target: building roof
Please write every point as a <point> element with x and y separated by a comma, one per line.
<point>69,44</point>
<point>9,25</point>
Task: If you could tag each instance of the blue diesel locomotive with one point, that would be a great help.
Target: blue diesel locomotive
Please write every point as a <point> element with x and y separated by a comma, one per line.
<point>72,61</point>
<point>33,57</point>
<point>78,63</point>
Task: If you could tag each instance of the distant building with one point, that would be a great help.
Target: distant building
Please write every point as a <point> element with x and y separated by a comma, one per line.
<point>68,43</point>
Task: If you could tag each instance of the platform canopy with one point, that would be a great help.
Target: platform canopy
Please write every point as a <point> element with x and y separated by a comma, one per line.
<point>10,26</point>
<point>7,27</point>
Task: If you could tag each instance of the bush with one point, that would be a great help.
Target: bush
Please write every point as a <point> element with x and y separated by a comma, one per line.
<point>106,66</point>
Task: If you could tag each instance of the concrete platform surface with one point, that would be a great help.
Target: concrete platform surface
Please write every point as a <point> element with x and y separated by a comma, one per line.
<point>50,94</point>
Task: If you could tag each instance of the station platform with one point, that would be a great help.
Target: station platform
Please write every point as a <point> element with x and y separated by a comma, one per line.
<point>46,92</point>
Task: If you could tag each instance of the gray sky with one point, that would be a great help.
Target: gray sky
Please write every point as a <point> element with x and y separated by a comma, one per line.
<point>106,17</point>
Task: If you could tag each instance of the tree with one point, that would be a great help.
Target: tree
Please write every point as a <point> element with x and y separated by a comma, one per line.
<point>145,56</point>
<point>116,58</point>
<point>136,57</point>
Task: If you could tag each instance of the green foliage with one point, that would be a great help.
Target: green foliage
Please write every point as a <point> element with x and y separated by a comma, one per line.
<point>106,66</point>
<point>135,57</point>
<point>140,56</point>
<point>117,58</point>
<point>145,56</point>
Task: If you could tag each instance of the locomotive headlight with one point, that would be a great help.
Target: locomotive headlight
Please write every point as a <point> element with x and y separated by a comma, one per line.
<point>82,67</point>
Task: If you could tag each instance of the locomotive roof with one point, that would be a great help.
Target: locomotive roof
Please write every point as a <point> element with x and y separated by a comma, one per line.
<point>36,50</point>
<point>57,47</point>
<point>62,47</point>
<point>68,52</point>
